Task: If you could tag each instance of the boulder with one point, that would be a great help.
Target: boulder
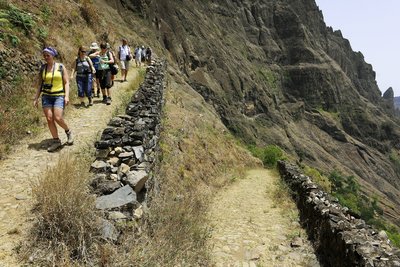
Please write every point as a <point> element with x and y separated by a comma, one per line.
<point>121,197</point>
<point>137,179</point>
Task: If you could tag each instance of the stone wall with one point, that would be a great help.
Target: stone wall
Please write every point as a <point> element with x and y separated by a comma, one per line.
<point>127,153</point>
<point>339,238</point>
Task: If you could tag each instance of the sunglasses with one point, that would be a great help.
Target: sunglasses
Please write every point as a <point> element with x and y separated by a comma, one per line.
<point>83,51</point>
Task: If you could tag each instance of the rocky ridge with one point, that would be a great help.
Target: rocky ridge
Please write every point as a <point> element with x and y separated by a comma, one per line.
<point>339,238</point>
<point>127,153</point>
<point>276,74</point>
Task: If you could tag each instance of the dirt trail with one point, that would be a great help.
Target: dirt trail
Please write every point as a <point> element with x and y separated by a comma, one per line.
<point>30,159</point>
<point>250,230</point>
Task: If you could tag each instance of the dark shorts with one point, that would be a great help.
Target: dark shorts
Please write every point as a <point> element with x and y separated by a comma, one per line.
<point>105,79</point>
<point>53,101</point>
<point>97,74</point>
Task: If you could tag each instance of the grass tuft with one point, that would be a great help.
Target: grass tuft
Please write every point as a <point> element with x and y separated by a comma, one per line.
<point>65,214</point>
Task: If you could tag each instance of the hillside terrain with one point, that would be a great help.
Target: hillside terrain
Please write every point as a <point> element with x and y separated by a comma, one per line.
<point>397,102</point>
<point>276,74</point>
<point>271,72</point>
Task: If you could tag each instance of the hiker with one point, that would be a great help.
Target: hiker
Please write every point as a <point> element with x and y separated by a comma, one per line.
<point>53,85</point>
<point>143,53</point>
<point>138,56</point>
<point>113,66</point>
<point>148,55</point>
<point>104,72</point>
<point>94,47</point>
<point>125,56</point>
<point>84,69</point>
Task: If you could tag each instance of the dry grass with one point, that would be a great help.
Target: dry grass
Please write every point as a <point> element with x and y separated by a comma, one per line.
<point>199,156</point>
<point>67,26</point>
<point>65,227</point>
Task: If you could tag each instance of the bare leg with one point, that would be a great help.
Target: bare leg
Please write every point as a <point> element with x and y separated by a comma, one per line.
<point>48,112</point>
<point>103,91</point>
<point>58,117</point>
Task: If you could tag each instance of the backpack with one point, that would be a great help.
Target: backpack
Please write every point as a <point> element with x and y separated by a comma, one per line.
<point>113,66</point>
<point>85,71</point>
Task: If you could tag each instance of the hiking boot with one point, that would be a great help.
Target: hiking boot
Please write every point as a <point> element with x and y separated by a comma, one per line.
<point>108,102</point>
<point>104,99</point>
<point>98,94</point>
<point>70,137</point>
<point>55,144</point>
<point>90,101</point>
<point>82,104</point>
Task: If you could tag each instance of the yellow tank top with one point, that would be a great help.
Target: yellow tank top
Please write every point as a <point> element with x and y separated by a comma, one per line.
<point>52,82</point>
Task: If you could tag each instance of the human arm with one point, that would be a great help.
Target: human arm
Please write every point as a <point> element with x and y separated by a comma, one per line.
<point>66,85</point>
<point>73,65</point>
<point>111,59</point>
<point>93,55</point>
<point>91,65</point>
<point>38,90</point>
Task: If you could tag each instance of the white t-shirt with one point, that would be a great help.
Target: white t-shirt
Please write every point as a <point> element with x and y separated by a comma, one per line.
<point>124,50</point>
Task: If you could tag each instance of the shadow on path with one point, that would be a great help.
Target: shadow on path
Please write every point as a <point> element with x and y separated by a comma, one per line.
<point>43,145</point>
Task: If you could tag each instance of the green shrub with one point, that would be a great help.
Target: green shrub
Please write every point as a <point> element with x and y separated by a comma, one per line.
<point>18,18</point>
<point>269,154</point>
<point>318,178</point>
<point>347,191</point>
<point>42,33</point>
<point>14,40</point>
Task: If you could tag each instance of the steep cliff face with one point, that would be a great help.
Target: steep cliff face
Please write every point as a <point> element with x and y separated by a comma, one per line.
<point>276,74</point>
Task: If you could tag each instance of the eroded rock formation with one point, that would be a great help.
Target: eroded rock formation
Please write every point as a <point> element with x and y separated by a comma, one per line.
<point>276,74</point>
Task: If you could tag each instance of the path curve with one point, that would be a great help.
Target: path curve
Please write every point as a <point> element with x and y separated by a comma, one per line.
<point>249,229</point>
<point>30,159</point>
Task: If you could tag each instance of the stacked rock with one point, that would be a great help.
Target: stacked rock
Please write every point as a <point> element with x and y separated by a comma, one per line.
<point>127,152</point>
<point>339,237</point>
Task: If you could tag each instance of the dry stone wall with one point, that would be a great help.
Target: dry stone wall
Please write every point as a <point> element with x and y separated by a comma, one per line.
<point>127,153</point>
<point>340,239</point>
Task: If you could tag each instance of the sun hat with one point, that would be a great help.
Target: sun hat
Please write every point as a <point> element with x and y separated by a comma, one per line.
<point>94,46</point>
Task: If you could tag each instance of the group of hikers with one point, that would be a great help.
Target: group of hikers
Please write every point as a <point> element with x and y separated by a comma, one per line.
<point>95,70</point>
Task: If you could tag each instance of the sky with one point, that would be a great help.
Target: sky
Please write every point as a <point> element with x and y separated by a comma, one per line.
<point>373,28</point>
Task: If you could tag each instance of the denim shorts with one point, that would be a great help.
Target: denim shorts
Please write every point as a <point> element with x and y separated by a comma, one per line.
<point>53,101</point>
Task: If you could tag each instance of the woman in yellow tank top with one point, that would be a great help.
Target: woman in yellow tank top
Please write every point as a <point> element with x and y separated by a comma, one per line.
<point>53,84</point>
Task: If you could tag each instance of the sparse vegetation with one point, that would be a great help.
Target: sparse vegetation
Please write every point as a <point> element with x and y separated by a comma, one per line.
<point>270,77</point>
<point>347,190</point>
<point>318,178</point>
<point>65,227</point>
<point>12,107</point>
<point>198,157</point>
<point>126,98</point>
<point>46,12</point>
<point>395,159</point>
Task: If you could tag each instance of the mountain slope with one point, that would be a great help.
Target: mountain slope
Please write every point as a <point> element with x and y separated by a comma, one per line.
<point>276,74</point>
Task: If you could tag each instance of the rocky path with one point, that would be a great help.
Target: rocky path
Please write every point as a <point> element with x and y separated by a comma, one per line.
<point>250,229</point>
<point>30,159</point>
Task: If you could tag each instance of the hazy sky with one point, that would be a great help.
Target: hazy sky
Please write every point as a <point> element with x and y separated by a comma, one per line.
<point>373,28</point>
